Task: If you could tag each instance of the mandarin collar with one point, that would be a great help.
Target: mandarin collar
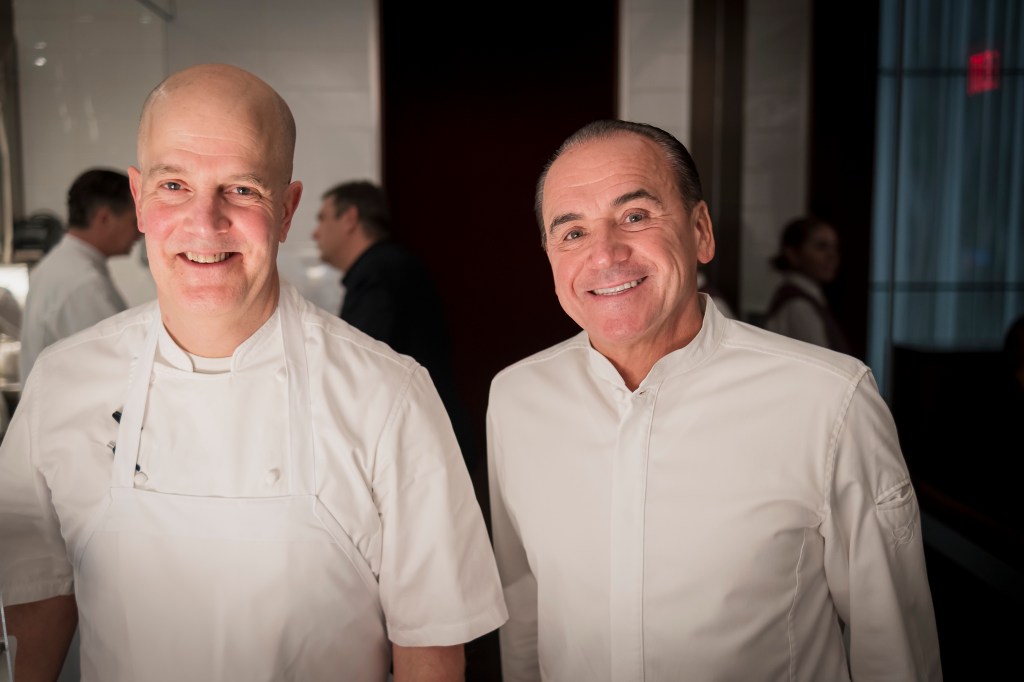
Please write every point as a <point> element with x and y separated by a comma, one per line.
<point>679,361</point>
<point>246,354</point>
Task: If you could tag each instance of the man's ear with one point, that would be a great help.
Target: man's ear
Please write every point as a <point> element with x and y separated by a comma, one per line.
<point>703,232</point>
<point>101,218</point>
<point>292,194</point>
<point>349,218</point>
<point>135,180</point>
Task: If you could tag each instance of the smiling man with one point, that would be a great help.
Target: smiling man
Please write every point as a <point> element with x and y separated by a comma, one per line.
<point>679,496</point>
<point>229,483</point>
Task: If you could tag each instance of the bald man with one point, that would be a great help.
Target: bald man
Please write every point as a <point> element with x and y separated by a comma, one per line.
<point>229,483</point>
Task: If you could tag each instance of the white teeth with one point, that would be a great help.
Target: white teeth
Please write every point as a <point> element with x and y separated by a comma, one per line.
<point>205,258</point>
<point>615,290</point>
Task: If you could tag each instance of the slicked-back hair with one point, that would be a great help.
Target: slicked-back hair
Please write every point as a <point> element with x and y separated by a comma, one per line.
<point>369,199</point>
<point>95,188</point>
<point>676,154</point>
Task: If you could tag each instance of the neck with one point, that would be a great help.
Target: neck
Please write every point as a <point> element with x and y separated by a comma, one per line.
<point>215,335</point>
<point>87,236</point>
<point>634,360</point>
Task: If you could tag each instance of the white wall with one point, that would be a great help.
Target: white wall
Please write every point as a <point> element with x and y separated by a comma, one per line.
<point>776,132</point>
<point>655,82</point>
<point>85,67</point>
<point>655,64</point>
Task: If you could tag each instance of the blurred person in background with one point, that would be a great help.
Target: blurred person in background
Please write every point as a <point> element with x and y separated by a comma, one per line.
<point>70,288</point>
<point>388,291</point>
<point>808,259</point>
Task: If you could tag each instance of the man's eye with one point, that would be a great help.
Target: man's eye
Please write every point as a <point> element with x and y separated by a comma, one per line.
<point>171,185</point>
<point>634,217</point>
<point>244,191</point>
<point>573,234</point>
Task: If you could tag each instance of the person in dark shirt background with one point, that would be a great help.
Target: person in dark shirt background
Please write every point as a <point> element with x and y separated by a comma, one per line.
<point>389,292</point>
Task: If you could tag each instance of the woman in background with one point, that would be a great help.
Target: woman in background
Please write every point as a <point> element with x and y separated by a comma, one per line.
<point>808,258</point>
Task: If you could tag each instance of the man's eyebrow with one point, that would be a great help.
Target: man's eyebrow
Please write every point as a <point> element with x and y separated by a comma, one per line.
<point>164,169</point>
<point>619,201</point>
<point>244,178</point>
<point>561,219</point>
<point>249,179</point>
<point>637,194</point>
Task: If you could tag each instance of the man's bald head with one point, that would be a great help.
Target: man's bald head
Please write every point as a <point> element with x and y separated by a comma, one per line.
<point>222,90</point>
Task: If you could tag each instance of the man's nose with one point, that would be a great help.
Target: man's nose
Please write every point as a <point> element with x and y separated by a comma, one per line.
<point>608,247</point>
<point>208,212</point>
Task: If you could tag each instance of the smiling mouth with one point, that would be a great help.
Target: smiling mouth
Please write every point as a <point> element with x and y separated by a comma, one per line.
<point>207,257</point>
<point>617,289</point>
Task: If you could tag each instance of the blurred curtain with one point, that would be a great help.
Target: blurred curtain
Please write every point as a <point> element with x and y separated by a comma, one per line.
<point>948,241</point>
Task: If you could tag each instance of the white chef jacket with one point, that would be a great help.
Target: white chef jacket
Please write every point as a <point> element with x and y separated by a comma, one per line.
<point>798,318</point>
<point>714,524</point>
<point>69,290</point>
<point>387,465</point>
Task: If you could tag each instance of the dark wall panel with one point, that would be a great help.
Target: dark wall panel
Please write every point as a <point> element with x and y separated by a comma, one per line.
<point>473,105</point>
<point>843,98</point>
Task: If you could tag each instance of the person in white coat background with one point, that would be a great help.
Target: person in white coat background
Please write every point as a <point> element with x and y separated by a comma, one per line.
<point>676,495</point>
<point>70,288</point>
<point>229,483</point>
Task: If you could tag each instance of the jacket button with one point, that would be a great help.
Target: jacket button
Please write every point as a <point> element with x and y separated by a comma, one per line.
<point>272,476</point>
<point>141,478</point>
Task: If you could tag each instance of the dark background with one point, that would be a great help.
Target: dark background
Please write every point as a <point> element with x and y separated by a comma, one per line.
<point>473,106</point>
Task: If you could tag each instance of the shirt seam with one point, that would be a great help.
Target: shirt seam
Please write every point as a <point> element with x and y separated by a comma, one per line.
<point>833,440</point>
<point>853,377</point>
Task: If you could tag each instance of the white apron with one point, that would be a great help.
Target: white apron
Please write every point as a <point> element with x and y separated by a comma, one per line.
<point>178,587</point>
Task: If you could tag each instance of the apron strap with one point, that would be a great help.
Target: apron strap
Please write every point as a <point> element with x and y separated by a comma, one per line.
<point>302,477</point>
<point>129,431</point>
<point>301,462</point>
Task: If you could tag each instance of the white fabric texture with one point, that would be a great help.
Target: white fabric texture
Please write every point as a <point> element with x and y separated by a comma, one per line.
<point>798,318</point>
<point>69,289</point>
<point>714,524</point>
<point>385,481</point>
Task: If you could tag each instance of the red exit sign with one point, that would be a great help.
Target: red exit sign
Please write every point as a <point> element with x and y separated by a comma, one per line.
<point>982,72</point>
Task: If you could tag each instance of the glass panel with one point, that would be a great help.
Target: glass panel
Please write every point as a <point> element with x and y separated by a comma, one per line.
<point>948,248</point>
